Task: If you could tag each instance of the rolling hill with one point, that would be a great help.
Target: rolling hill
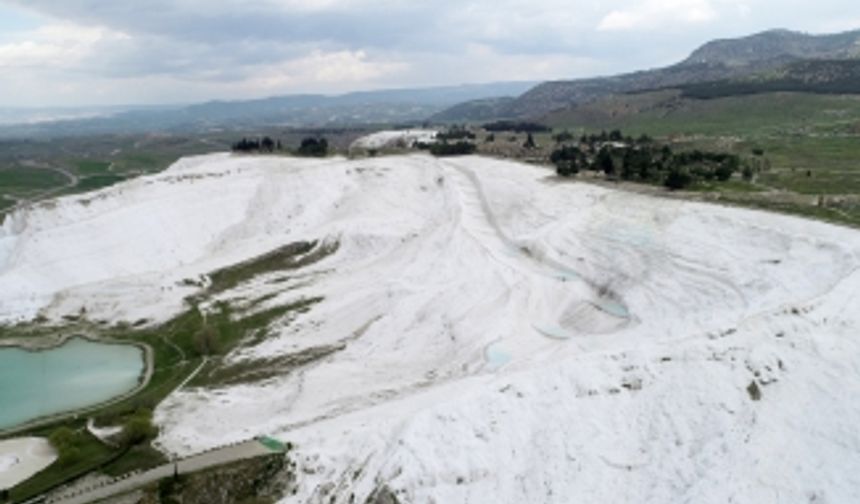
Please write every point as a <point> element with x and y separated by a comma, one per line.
<point>605,345</point>
<point>769,55</point>
<point>370,107</point>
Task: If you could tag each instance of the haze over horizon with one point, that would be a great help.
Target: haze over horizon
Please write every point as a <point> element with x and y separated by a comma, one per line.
<point>92,52</point>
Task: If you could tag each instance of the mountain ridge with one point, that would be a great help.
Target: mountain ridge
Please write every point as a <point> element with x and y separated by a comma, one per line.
<point>718,60</point>
<point>387,106</point>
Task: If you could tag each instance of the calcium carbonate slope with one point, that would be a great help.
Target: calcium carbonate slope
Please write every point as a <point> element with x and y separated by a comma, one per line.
<point>506,337</point>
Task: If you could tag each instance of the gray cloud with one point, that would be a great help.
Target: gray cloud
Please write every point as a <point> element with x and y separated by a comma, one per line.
<point>221,48</point>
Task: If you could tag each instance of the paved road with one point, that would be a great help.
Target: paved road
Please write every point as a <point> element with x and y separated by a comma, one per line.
<point>246,450</point>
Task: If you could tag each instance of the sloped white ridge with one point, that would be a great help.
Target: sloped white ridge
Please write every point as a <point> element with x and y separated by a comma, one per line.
<point>506,338</point>
<point>395,138</point>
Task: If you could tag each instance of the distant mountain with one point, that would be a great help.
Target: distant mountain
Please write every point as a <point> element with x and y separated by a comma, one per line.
<point>371,107</point>
<point>720,60</point>
<point>36,115</point>
<point>776,46</point>
<point>476,110</point>
<point>809,76</point>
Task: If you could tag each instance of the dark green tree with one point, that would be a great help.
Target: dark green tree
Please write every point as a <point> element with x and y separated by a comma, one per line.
<point>530,142</point>
<point>678,178</point>
<point>604,162</point>
<point>313,147</point>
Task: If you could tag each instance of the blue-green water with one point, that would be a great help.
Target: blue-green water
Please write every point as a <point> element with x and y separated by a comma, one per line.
<point>78,374</point>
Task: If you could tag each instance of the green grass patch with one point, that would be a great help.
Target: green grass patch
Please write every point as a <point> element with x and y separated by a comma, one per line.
<point>21,179</point>
<point>665,114</point>
<point>251,330</point>
<point>96,182</point>
<point>144,162</point>
<point>89,167</point>
<point>5,204</point>
<point>289,257</point>
<point>137,457</point>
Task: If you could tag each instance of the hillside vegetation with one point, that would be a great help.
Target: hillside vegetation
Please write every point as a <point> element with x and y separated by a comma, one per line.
<point>718,61</point>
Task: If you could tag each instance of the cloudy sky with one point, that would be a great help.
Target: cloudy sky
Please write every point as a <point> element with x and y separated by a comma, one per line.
<point>83,52</point>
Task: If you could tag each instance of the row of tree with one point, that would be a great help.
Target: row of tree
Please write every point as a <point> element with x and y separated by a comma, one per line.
<point>264,144</point>
<point>455,133</point>
<point>444,148</point>
<point>517,127</point>
<point>310,146</point>
<point>643,161</point>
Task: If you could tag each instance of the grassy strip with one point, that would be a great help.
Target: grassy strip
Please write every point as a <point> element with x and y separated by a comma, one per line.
<point>249,330</point>
<point>5,204</point>
<point>95,182</point>
<point>90,167</point>
<point>289,257</point>
<point>23,179</point>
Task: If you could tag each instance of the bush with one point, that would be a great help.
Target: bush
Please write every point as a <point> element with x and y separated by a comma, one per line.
<point>517,127</point>
<point>139,428</point>
<point>564,136</point>
<point>530,142</point>
<point>678,178</point>
<point>455,149</point>
<point>264,144</point>
<point>567,160</point>
<point>206,341</point>
<point>313,147</point>
<point>724,172</point>
<point>604,162</point>
<point>67,443</point>
<point>455,133</point>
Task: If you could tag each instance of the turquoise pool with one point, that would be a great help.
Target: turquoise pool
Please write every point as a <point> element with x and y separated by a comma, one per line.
<point>78,374</point>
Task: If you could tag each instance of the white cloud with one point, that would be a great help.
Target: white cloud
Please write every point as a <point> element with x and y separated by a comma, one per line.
<point>342,69</point>
<point>651,14</point>
<point>61,45</point>
<point>188,50</point>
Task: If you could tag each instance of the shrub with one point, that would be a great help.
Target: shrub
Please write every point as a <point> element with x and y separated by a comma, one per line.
<point>530,142</point>
<point>678,178</point>
<point>604,162</point>
<point>455,133</point>
<point>139,428</point>
<point>564,136</point>
<point>517,127</point>
<point>455,149</point>
<point>313,147</point>
<point>567,161</point>
<point>67,443</point>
